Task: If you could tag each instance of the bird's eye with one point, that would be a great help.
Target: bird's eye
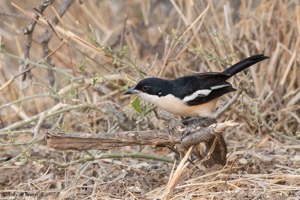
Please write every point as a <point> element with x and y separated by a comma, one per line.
<point>145,88</point>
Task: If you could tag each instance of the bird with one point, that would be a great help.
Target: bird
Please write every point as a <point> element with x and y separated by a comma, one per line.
<point>192,95</point>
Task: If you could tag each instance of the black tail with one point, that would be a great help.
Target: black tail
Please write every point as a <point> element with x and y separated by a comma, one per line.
<point>240,66</point>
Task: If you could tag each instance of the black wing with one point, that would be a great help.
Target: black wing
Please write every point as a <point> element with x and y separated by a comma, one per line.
<point>201,88</point>
<point>212,95</point>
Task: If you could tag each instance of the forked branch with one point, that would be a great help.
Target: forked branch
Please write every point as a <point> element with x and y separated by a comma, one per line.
<point>178,137</point>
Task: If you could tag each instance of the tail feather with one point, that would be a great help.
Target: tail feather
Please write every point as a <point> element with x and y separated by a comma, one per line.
<point>240,66</point>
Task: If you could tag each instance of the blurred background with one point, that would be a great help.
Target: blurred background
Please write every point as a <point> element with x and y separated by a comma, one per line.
<point>66,63</point>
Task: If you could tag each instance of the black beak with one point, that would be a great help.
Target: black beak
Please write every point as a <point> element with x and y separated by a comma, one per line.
<point>130,91</point>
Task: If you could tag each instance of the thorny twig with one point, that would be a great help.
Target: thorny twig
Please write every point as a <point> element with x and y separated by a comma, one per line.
<point>36,130</point>
<point>28,30</point>
<point>54,111</point>
<point>47,36</point>
<point>110,156</point>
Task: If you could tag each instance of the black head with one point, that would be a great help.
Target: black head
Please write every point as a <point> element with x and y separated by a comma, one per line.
<point>152,86</point>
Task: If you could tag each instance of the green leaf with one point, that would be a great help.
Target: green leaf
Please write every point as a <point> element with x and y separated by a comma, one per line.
<point>72,90</point>
<point>81,66</point>
<point>94,81</point>
<point>28,154</point>
<point>124,51</point>
<point>2,47</point>
<point>136,104</point>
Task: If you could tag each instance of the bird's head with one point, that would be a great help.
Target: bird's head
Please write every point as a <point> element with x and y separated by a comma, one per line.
<point>150,89</point>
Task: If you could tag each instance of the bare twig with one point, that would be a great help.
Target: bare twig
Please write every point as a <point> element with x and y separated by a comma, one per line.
<point>27,70</point>
<point>38,125</point>
<point>110,156</point>
<point>14,15</point>
<point>65,5</point>
<point>28,30</point>
<point>31,142</point>
<point>54,111</point>
<point>227,105</point>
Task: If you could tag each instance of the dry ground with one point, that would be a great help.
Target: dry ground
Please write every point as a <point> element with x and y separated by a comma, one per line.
<point>98,49</point>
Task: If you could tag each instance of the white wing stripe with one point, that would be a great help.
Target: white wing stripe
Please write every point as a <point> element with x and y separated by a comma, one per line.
<point>193,96</point>
<point>218,86</point>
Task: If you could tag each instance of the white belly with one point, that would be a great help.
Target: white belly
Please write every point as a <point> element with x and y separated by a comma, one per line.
<point>177,107</point>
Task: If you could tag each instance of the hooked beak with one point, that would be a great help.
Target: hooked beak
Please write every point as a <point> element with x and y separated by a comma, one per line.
<point>131,91</point>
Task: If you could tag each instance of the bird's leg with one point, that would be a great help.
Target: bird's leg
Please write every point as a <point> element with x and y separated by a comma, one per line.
<point>185,120</point>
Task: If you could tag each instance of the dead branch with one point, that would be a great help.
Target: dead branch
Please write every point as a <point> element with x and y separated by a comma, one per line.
<point>179,137</point>
<point>29,30</point>
<point>65,5</point>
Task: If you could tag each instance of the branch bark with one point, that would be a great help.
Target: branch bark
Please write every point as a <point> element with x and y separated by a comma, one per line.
<point>28,30</point>
<point>179,137</point>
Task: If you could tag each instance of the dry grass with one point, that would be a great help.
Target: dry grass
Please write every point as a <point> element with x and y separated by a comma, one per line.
<point>99,48</point>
